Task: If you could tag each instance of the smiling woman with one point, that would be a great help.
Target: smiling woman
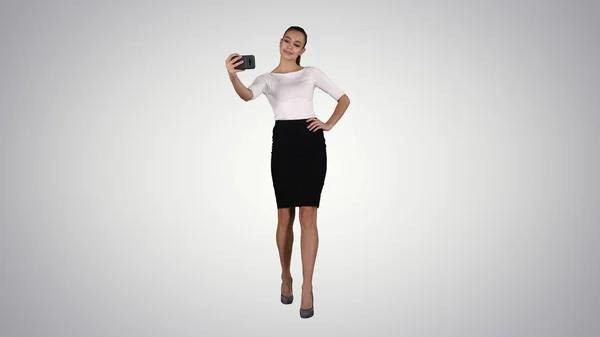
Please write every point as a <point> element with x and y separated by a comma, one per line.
<point>298,154</point>
<point>294,44</point>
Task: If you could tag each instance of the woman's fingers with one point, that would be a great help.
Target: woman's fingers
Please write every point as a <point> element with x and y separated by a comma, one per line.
<point>233,61</point>
<point>311,123</point>
<point>232,58</point>
<point>315,124</point>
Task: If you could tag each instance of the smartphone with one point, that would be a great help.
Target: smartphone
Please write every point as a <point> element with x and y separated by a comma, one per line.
<point>248,63</point>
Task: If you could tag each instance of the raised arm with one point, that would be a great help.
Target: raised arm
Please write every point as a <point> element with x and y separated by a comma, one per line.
<point>240,88</point>
<point>233,61</point>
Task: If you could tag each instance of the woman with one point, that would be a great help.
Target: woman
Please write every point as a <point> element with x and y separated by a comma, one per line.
<point>298,154</point>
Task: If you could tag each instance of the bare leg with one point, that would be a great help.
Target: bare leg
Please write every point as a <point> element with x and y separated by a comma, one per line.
<point>309,243</point>
<point>285,241</point>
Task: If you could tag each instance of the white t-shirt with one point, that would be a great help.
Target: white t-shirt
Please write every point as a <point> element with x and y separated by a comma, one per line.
<point>291,94</point>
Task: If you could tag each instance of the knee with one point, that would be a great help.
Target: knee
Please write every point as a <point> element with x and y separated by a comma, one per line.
<point>307,221</point>
<point>285,222</point>
<point>285,218</point>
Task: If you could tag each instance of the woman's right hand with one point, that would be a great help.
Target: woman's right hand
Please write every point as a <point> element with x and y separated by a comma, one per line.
<point>233,61</point>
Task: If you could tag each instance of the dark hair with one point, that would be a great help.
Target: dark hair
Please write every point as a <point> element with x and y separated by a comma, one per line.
<point>301,30</point>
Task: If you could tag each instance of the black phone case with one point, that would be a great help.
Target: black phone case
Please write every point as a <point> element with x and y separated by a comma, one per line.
<point>248,63</point>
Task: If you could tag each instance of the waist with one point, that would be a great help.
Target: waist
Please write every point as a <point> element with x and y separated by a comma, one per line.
<point>293,109</point>
<point>291,121</point>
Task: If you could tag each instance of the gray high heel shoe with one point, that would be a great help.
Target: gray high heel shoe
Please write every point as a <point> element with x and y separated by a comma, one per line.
<point>308,313</point>
<point>288,299</point>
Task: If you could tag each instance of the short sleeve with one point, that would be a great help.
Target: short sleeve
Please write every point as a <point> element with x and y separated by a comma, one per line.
<point>258,86</point>
<point>323,82</point>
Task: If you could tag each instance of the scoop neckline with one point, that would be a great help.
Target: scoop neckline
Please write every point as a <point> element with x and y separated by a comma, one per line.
<point>290,72</point>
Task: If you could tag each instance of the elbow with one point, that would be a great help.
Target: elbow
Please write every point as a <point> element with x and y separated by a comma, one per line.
<point>344,99</point>
<point>248,95</point>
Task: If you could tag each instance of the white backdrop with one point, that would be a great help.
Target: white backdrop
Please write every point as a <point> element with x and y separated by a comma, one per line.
<point>461,196</point>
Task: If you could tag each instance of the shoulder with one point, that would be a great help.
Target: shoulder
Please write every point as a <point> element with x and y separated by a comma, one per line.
<point>317,75</point>
<point>262,77</point>
<point>314,71</point>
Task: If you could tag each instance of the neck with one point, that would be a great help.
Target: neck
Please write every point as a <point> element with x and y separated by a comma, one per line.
<point>287,65</point>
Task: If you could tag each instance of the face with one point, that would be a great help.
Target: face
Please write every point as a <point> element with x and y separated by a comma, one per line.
<point>292,45</point>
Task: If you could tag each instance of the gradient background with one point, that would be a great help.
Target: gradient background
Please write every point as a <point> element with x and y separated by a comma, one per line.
<point>462,195</point>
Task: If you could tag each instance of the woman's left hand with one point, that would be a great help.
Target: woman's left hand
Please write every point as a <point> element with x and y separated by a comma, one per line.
<point>316,124</point>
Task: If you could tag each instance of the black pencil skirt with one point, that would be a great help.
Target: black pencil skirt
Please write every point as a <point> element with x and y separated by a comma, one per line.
<point>298,163</point>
